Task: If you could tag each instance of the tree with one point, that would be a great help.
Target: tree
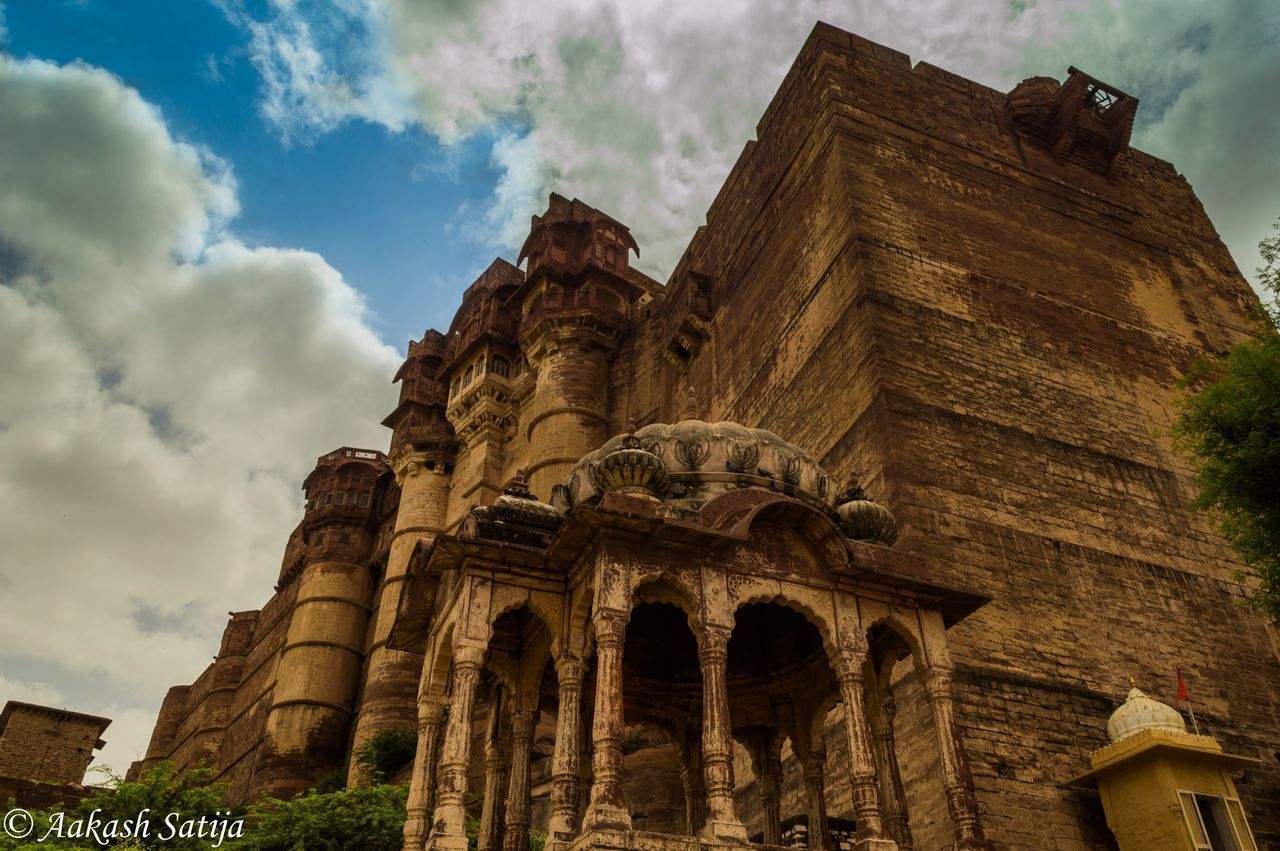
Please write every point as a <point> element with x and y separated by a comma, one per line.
<point>1228,424</point>
<point>157,793</point>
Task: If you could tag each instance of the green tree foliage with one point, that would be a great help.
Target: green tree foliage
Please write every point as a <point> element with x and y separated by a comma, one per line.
<point>157,793</point>
<point>370,818</point>
<point>1229,426</point>
<point>386,752</point>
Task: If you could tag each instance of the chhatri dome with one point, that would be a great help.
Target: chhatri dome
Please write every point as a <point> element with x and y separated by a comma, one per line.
<point>1139,713</point>
<point>689,463</point>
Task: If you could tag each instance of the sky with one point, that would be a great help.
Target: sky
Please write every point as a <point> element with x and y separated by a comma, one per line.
<point>222,221</point>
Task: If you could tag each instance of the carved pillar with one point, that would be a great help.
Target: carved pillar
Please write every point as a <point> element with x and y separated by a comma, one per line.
<point>815,787</point>
<point>862,764</point>
<point>449,819</point>
<point>767,761</point>
<point>517,830</point>
<point>955,766</point>
<point>717,739</point>
<point>695,789</point>
<point>497,760</point>
<point>881,710</point>
<point>566,767</point>
<point>422,784</point>
<point>608,807</point>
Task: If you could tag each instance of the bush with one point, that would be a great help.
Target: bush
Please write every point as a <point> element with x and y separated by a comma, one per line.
<point>370,818</point>
<point>386,752</point>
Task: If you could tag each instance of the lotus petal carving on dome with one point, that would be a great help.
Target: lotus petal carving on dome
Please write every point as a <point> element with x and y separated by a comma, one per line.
<point>743,456</point>
<point>692,452</point>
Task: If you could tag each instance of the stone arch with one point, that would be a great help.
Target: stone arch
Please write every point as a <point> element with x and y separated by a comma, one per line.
<point>435,680</point>
<point>662,587</point>
<point>806,520</point>
<point>905,629</point>
<point>578,621</point>
<point>781,597</point>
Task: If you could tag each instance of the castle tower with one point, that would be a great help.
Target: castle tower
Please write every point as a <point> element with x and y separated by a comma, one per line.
<point>578,294</point>
<point>422,457</point>
<point>319,669</point>
<point>486,381</point>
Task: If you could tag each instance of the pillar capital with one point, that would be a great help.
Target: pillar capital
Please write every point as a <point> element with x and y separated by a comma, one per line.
<point>714,644</point>
<point>468,657</point>
<point>570,671</point>
<point>610,626</point>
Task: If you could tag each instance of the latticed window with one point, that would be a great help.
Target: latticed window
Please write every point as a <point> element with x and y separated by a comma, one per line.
<point>500,365</point>
<point>1215,824</point>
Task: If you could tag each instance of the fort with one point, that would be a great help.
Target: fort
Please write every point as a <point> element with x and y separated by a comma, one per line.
<point>45,752</point>
<point>853,530</point>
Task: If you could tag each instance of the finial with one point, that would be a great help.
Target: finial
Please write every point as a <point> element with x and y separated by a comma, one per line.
<point>690,404</point>
<point>1132,684</point>
<point>631,425</point>
<point>518,486</point>
<point>853,489</point>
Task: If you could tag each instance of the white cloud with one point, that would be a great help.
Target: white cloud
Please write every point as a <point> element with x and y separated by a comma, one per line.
<point>164,389</point>
<point>641,108</point>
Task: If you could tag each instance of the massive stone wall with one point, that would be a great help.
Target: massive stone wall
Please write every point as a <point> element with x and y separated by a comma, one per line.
<point>991,337</point>
<point>44,753</point>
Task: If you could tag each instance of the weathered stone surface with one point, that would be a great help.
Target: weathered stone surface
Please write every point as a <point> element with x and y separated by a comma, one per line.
<point>976,305</point>
<point>44,753</point>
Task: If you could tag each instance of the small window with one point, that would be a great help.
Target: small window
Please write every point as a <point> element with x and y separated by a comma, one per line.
<point>453,391</point>
<point>480,367</point>
<point>342,498</point>
<point>328,499</point>
<point>1244,836</point>
<point>500,365</point>
<point>1210,826</point>
<point>466,378</point>
<point>364,500</point>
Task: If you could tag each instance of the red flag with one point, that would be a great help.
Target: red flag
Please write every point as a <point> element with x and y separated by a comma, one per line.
<point>1182,688</point>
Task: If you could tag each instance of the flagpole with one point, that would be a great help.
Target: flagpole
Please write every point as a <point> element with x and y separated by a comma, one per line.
<point>1194,723</point>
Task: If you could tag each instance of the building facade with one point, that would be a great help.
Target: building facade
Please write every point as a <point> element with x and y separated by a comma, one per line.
<point>45,752</point>
<point>972,306</point>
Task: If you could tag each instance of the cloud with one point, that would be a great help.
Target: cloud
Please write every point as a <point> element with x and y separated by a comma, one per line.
<point>164,389</point>
<point>641,108</point>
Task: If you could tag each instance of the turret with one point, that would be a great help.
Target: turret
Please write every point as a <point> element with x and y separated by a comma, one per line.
<point>575,307</point>
<point>319,669</point>
<point>423,452</point>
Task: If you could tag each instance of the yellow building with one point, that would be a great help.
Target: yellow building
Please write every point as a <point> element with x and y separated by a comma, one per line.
<point>1164,789</point>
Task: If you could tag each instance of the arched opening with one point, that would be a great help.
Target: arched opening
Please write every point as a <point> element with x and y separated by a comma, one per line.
<point>912,799</point>
<point>513,735</point>
<point>781,689</point>
<point>662,696</point>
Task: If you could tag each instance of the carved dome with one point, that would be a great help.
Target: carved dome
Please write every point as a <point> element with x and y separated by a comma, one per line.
<point>705,459</point>
<point>1139,713</point>
<point>632,468</point>
<point>864,520</point>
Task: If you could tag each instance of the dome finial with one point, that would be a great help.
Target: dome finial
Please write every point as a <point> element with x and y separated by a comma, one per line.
<point>691,404</point>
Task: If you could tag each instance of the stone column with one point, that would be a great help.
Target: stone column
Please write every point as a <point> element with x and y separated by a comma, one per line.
<point>695,788</point>
<point>717,739</point>
<point>422,784</point>
<point>862,764</point>
<point>566,767</point>
<point>608,808</point>
<point>881,710</point>
<point>815,787</point>
<point>770,767</point>
<point>497,760</point>
<point>517,829</point>
<point>939,683</point>
<point>455,756</point>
